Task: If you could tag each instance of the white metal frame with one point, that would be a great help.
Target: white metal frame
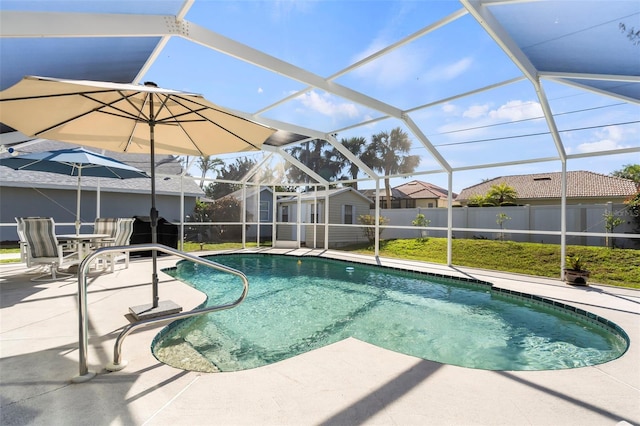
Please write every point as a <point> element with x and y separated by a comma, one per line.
<point>43,24</point>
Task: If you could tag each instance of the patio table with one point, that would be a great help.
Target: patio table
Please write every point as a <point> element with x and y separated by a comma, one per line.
<point>82,242</point>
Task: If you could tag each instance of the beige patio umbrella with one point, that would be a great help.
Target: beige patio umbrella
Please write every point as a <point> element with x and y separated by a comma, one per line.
<point>128,118</point>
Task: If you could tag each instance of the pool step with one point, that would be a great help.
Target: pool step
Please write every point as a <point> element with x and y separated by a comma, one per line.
<point>183,355</point>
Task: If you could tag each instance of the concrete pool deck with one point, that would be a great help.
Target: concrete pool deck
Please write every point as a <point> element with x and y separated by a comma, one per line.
<point>347,383</point>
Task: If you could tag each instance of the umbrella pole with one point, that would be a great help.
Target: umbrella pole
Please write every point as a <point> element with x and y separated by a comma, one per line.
<point>153,214</point>
<point>78,201</point>
<point>156,308</point>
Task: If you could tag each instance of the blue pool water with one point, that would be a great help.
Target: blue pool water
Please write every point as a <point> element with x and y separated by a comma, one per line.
<point>296,305</point>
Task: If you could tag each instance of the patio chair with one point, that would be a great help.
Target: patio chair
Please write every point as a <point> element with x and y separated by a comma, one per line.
<point>124,229</point>
<point>24,248</point>
<point>43,248</point>
<point>22,241</point>
<point>105,225</point>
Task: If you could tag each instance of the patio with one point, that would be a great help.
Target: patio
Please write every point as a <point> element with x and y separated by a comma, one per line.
<point>350,382</point>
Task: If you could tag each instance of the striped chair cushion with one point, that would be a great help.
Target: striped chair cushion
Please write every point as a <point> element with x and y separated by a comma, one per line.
<point>105,225</point>
<point>41,237</point>
<point>124,231</point>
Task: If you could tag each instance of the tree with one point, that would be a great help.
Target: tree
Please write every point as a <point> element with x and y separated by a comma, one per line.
<point>233,172</point>
<point>421,221</point>
<point>206,164</point>
<point>369,229</point>
<point>502,193</point>
<point>629,171</point>
<point>387,154</point>
<point>356,146</point>
<point>633,204</point>
<point>611,222</point>
<point>226,209</point>
<point>479,200</point>
<point>501,218</point>
<point>314,154</point>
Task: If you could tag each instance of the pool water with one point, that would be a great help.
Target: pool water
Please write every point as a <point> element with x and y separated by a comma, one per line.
<point>296,305</point>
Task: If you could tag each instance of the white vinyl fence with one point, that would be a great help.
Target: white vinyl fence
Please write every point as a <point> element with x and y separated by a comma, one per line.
<point>539,224</point>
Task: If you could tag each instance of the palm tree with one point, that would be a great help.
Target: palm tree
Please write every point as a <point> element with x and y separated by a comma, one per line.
<point>629,171</point>
<point>479,200</point>
<point>313,154</point>
<point>501,193</point>
<point>386,155</point>
<point>206,164</point>
<point>355,145</point>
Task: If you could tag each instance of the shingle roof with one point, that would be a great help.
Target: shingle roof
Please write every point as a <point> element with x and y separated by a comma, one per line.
<point>580,184</point>
<point>165,165</point>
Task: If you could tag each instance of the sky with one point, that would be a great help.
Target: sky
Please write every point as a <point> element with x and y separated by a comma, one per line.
<point>502,125</point>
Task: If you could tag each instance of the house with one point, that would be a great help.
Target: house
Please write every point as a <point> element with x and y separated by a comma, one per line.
<point>411,195</point>
<point>29,193</point>
<point>345,205</point>
<point>259,207</point>
<point>583,187</point>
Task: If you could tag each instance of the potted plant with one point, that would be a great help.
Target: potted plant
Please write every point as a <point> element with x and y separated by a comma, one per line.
<point>575,272</point>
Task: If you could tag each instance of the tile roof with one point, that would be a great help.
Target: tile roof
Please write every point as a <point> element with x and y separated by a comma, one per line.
<point>371,193</point>
<point>312,195</point>
<point>580,184</point>
<point>415,189</point>
<point>420,190</point>
<point>165,165</point>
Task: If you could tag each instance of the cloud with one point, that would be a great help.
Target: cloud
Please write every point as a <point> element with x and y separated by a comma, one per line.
<point>608,138</point>
<point>325,104</point>
<point>449,108</point>
<point>260,90</point>
<point>511,111</point>
<point>447,72</point>
<point>480,115</point>
<point>517,110</point>
<point>476,111</point>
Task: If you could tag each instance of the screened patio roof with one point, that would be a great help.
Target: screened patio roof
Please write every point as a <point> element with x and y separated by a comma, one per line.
<point>580,47</point>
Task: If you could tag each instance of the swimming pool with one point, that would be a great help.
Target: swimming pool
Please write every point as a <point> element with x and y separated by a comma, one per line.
<point>299,304</point>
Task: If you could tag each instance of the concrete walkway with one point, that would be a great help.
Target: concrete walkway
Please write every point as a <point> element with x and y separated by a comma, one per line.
<point>347,383</point>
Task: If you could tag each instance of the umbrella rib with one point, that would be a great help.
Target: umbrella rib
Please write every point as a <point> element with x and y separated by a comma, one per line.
<point>96,109</point>
<point>125,114</point>
<point>179,99</point>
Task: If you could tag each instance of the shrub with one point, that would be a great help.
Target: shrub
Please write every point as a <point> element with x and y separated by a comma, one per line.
<point>369,229</point>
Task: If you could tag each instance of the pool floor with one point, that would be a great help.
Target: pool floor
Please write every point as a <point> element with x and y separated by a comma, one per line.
<point>297,305</point>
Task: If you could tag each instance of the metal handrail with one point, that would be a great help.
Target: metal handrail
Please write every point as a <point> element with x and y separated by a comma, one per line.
<point>84,374</point>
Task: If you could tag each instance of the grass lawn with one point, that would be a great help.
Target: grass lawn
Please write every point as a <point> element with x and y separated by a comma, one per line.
<point>617,267</point>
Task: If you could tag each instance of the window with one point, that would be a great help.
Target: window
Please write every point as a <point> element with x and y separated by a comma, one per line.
<point>315,210</point>
<point>430,205</point>
<point>264,211</point>
<point>348,213</point>
<point>284,214</point>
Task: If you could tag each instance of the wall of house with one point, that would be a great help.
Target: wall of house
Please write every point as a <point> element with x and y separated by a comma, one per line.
<point>61,205</point>
<point>339,236</point>
<point>424,203</point>
<point>580,218</point>
<point>253,215</point>
<point>313,235</point>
